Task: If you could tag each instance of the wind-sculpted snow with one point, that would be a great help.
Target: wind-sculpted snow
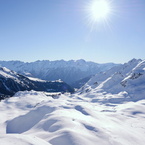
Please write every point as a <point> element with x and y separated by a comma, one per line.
<point>26,122</point>
<point>32,118</point>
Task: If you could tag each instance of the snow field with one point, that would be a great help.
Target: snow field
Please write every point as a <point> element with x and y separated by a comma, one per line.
<point>34,118</point>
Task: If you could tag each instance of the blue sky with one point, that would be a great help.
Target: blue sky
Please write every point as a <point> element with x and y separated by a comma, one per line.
<point>33,30</point>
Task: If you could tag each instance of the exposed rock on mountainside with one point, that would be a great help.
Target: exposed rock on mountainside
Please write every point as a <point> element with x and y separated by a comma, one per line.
<point>11,82</point>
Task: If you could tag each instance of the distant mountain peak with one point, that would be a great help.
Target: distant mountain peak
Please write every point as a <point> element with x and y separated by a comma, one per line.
<point>68,71</point>
<point>134,60</point>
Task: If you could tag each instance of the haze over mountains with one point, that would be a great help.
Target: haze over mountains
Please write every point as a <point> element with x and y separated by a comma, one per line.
<point>68,71</point>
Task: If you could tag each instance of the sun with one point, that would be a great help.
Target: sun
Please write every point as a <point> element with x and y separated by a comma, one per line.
<point>98,11</point>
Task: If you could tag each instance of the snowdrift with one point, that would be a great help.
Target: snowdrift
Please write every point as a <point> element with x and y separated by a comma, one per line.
<point>34,118</point>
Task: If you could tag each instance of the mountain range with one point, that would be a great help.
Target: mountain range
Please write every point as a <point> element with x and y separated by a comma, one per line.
<point>12,82</point>
<point>108,110</point>
<point>68,71</point>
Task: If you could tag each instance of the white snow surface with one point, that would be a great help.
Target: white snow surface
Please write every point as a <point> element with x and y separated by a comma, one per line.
<point>36,79</point>
<point>128,78</point>
<point>18,139</point>
<point>4,72</point>
<point>32,118</point>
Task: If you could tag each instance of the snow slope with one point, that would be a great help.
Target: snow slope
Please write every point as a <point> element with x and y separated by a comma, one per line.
<point>68,71</point>
<point>34,118</point>
<point>128,79</point>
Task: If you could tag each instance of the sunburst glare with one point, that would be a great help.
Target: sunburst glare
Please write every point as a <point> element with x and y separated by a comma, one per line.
<point>98,11</point>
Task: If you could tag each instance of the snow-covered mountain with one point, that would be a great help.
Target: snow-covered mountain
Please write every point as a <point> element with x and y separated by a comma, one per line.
<point>12,82</point>
<point>68,71</point>
<point>108,110</point>
<point>127,79</point>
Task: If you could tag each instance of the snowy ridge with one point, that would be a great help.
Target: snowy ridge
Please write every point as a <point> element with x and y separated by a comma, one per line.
<point>67,71</point>
<point>12,82</point>
<point>70,120</point>
<point>128,78</point>
<point>4,72</point>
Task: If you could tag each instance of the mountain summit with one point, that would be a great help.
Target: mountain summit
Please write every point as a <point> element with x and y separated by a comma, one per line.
<point>127,80</point>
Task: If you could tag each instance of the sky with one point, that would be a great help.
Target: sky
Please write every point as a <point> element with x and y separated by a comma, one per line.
<point>33,30</point>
